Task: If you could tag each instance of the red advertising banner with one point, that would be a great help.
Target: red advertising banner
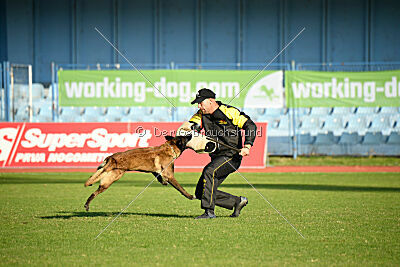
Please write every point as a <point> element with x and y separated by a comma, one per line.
<point>85,145</point>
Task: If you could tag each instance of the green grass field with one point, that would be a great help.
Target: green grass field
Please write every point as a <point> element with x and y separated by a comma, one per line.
<point>346,218</point>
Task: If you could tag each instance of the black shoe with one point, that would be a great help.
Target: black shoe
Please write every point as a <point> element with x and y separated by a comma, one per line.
<point>208,214</point>
<point>238,207</point>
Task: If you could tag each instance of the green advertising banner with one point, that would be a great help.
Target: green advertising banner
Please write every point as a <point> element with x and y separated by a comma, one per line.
<point>129,88</point>
<point>342,89</point>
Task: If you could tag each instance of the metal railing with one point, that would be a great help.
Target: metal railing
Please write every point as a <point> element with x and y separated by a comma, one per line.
<point>349,66</point>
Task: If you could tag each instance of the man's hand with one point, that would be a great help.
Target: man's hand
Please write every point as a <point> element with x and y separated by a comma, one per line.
<point>245,151</point>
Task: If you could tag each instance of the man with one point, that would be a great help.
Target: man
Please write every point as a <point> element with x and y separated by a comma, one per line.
<point>222,123</point>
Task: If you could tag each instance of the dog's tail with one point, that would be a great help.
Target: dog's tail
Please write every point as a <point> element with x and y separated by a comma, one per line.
<point>97,175</point>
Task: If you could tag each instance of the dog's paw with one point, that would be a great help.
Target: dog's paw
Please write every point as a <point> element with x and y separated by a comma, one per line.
<point>192,197</point>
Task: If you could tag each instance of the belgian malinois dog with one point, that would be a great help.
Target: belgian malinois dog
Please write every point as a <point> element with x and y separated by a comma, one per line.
<point>156,160</point>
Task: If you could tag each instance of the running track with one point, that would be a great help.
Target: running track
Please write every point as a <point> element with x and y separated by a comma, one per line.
<point>277,169</point>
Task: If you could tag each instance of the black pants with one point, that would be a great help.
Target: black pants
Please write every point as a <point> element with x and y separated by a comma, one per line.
<point>213,175</point>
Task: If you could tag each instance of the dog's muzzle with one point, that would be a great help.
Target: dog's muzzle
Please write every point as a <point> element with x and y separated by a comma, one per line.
<point>199,143</point>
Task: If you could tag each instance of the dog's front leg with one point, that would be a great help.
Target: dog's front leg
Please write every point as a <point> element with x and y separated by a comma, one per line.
<point>169,176</point>
<point>172,181</point>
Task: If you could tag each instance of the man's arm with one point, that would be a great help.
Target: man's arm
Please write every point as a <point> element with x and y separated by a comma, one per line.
<point>250,129</point>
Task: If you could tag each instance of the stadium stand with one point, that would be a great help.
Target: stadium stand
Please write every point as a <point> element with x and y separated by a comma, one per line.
<point>184,113</point>
<point>380,123</point>
<point>334,124</point>
<point>318,130</point>
<point>310,124</point>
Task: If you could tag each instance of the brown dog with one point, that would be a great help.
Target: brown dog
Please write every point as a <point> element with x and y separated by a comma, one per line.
<point>155,160</point>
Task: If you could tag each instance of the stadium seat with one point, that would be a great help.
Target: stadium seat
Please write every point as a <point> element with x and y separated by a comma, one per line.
<point>320,111</point>
<point>69,114</point>
<point>306,139</point>
<point>185,113</point>
<point>310,125</point>
<point>326,138</point>
<point>275,112</point>
<point>282,129</point>
<point>380,124</point>
<point>342,111</point>
<point>393,139</point>
<point>161,114</point>
<point>22,114</point>
<point>373,139</point>
<point>302,111</point>
<point>45,117</point>
<point>37,91</point>
<point>334,124</point>
<point>114,114</point>
<point>39,103</point>
<point>396,126</point>
<point>256,114</point>
<point>357,124</point>
<point>389,110</point>
<point>138,114</point>
<point>46,112</point>
<point>349,139</point>
<point>93,114</point>
<point>21,91</point>
<point>366,110</point>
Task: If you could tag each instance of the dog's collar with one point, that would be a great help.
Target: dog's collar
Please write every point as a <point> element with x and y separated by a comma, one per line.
<point>173,151</point>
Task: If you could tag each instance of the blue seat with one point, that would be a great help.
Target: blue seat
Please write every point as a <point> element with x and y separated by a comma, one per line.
<point>306,139</point>
<point>45,113</point>
<point>37,91</point>
<point>22,114</point>
<point>303,111</point>
<point>275,112</point>
<point>350,139</point>
<point>21,91</point>
<point>256,114</point>
<point>396,126</point>
<point>282,128</point>
<point>138,114</point>
<point>342,111</point>
<point>318,111</point>
<point>185,113</point>
<point>373,139</point>
<point>366,110</point>
<point>326,138</point>
<point>43,117</point>
<point>393,139</point>
<point>115,114</point>
<point>357,124</point>
<point>69,114</point>
<point>389,110</point>
<point>161,114</point>
<point>93,114</point>
<point>310,125</point>
<point>334,124</point>
<point>380,124</point>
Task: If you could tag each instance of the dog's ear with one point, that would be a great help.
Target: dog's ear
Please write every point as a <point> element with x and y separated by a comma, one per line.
<point>168,137</point>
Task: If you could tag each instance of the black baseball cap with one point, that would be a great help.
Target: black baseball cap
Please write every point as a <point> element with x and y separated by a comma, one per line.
<point>203,94</point>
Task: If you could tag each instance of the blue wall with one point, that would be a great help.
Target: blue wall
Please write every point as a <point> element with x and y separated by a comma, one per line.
<point>187,31</point>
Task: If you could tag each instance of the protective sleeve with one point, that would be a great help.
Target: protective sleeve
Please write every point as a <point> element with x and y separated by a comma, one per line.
<point>196,119</point>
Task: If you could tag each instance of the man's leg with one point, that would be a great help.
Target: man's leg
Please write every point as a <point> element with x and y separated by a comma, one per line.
<point>213,175</point>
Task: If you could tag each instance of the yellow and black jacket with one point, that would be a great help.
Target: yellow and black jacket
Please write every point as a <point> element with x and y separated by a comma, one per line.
<point>225,125</point>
